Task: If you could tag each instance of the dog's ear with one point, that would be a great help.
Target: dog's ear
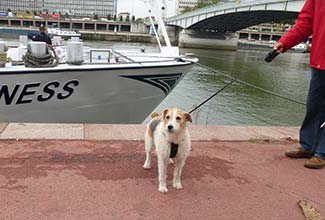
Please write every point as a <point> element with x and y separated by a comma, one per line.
<point>154,114</point>
<point>165,113</point>
<point>188,117</point>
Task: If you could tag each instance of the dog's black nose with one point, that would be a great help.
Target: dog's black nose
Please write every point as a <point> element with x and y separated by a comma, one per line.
<point>170,127</point>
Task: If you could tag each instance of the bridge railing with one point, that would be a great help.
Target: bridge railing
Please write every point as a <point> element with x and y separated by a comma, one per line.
<point>227,6</point>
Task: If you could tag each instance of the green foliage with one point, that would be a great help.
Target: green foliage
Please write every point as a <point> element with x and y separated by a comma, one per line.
<point>109,17</point>
<point>201,4</point>
<point>287,21</point>
<point>204,3</point>
<point>187,9</point>
<point>96,17</point>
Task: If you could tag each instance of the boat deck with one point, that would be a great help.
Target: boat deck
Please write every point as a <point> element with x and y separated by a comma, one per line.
<point>64,171</point>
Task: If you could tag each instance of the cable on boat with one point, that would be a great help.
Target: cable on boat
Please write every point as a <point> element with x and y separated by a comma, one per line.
<point>251,85</point>
<point>48,60</point>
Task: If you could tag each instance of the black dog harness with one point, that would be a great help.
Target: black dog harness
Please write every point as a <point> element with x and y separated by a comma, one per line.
<point>173,150</point>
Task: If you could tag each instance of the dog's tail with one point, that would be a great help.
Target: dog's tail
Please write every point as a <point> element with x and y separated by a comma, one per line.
<point>155,114</point>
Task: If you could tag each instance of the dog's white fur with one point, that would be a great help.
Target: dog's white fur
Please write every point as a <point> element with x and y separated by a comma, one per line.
<point>164,129</point>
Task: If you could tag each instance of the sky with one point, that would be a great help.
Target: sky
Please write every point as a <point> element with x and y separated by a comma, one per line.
<point>135,7</point>
<point>138,8</point>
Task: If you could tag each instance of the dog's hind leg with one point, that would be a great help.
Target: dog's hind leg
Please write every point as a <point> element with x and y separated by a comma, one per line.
<point>179,164</point>
<point>148,142</point>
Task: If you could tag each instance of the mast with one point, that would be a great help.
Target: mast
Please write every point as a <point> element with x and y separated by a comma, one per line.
<point>152,24</point>
<point>155,7</point>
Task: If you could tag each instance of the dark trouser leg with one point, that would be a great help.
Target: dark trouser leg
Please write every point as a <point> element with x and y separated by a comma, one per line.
<point>312,137</point>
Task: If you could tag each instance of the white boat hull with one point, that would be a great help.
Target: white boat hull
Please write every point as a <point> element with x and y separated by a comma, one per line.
<point>93,94</point>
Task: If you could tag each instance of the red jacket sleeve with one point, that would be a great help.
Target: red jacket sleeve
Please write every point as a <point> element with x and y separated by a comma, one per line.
<point>303,27</point>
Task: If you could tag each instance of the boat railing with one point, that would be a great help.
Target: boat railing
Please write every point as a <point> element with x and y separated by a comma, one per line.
<point>114,57</point>
<point>95,56</point>
<point>107,56</point>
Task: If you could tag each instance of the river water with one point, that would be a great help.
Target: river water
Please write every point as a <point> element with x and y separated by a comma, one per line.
<point>239,104</point>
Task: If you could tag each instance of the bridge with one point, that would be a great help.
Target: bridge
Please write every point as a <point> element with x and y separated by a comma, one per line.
<point>233,16</point>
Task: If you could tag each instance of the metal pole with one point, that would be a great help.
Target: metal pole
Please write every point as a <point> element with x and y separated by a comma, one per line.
<point>152,24</point>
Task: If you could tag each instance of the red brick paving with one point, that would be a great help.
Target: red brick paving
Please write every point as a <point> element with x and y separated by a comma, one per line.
<point>67,180</point>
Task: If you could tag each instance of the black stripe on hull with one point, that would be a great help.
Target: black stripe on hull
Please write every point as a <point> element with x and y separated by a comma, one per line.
<point>165,82</point>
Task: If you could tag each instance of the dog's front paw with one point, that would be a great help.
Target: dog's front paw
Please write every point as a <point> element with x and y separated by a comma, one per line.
<point>177,185</point>
<point>147,166</point>
<point>163,189</point>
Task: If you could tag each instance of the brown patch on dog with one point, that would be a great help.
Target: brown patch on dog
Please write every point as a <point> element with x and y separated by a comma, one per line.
<point>167,115</point>
<point>152,126</point>
<point>150,132</point>
<point>188,117</point>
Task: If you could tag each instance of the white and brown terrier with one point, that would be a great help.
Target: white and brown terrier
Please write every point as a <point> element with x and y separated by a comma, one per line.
<point>169,134</point>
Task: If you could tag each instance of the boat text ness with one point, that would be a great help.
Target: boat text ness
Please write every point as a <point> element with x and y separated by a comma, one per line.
<point>30,92</point>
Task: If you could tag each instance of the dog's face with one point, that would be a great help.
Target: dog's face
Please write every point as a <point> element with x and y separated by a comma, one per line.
<point>175,119</point>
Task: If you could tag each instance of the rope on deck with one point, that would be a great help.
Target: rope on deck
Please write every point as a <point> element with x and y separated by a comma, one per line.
<point>48,60</point>
<point>3,59</point>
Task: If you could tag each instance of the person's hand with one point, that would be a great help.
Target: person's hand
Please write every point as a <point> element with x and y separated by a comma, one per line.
<point>279,47</point>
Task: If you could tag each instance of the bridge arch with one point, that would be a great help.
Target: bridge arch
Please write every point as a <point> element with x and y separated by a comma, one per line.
<point>233,22</point>
<point>233,17</point>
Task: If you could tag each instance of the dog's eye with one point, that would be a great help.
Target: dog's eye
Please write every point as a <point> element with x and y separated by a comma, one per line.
<point>167,117</point>
<point>178,118</point>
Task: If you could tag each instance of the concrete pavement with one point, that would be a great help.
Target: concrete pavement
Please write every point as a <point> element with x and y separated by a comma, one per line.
<point>136,132</point>
<point>81,172</point>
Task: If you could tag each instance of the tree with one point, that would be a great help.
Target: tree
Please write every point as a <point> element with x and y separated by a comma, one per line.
<point>96,17</point>
<point>109,17</point>
<point>288,21</point>
<point>201,4</point>
<point>187,9</point>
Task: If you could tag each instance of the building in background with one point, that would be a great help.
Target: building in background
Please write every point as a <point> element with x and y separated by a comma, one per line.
<point>183,4</point>
<point>80,8</point>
